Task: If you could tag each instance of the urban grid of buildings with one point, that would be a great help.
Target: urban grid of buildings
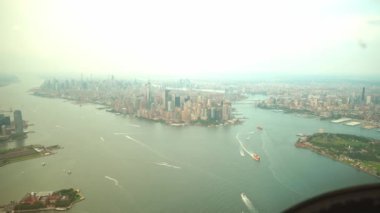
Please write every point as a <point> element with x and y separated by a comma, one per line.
<point>327,101</point>
<point>172,105</point>
<point>175,105</point>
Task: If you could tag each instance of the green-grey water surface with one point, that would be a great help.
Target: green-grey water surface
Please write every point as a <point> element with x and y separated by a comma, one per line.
<point>124,164</point>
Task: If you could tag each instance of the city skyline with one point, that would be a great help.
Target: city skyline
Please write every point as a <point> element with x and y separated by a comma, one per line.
<point>208,39</point>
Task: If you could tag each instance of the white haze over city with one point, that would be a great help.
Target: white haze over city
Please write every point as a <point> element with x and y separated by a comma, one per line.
<point>194,39</point>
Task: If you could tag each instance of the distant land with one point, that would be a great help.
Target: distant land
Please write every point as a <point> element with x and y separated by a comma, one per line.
<point>25,153</point>
<point>6,79</point>
<point>360,152</point>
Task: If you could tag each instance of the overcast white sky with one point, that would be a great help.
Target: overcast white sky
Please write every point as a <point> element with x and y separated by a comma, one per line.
<point>191,38</point>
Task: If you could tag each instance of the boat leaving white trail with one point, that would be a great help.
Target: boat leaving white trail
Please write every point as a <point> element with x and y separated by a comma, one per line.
<point>145,146</point>
<point>242,152</point>
<point>167,165</point>
<point>136,141</point>
<point>112,179</point>
<point>102,139</point>
<point>134,125</point>
<point>242,146</point>
<point>248,203</point>
<point>120,133</point>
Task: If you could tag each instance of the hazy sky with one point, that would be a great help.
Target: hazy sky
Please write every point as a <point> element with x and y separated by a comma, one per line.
<point>191,38</point>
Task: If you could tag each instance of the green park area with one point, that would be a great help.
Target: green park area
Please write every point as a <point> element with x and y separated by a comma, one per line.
<point>360,152</point>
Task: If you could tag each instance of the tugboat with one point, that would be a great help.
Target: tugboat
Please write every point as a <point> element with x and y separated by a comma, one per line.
<point>255,157</point>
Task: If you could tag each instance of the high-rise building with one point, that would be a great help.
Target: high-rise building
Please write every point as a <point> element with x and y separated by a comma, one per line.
<point>368,100</point>
<point>177,101</point>
<point>170,106</point>
<point>3,130</point>
<point>363,95</point>
<point>19,124</point>
<point>148,97</point>
<point>165,99</point>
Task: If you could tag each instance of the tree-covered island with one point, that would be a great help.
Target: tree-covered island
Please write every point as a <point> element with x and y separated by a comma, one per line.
<point>360,152</point>
<point>63,199</point>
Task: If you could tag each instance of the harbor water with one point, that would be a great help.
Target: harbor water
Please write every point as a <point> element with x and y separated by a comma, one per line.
<point>124,164</point>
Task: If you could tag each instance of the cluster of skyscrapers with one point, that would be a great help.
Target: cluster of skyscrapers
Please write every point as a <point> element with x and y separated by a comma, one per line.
<point>147,100</point>
<point>9,128</point>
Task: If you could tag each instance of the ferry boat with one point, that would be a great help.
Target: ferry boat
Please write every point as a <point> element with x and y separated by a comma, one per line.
<point>255,157</point>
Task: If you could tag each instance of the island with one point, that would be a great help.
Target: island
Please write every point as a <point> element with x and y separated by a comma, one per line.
<point>171,103</point>
<point>25,153</point>
<point>362,153</point>
<point>39,201</point>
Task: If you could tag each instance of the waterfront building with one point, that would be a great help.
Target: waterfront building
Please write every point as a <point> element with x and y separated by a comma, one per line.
<point>368,99</point>
<point>165,99</point>
<point>148,95</point>
<point>19,124</point>
<point>177,101</point>
<point>226,111</point>
<point>170,106</point>
<point>3,130</point>
<point>5,120</point>
<point>213,113</point>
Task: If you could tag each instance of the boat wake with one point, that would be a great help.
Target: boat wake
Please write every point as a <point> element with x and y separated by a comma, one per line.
<point>120,133</point>
<point>268,142</point>
<point>242,146</point>
<point>248,203</point>
<point>138,142</point>
<point>167,165</point>
<point>112,179</point>
<point>242,153</point>
<point>145,146</point>
<point>134,125</point>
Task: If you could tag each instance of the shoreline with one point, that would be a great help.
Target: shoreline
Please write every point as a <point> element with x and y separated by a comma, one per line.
<point>353,122</point>
<point>354,163</point>
<point>107,108</point>
<point>26,153</point>
<point>47,205</point>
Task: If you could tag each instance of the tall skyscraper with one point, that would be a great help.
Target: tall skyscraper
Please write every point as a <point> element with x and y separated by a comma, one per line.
<point>19,124</point>
<point>177,101</point>
<point>165,99</point>
<point>363,95</point>
<point>148,95</point>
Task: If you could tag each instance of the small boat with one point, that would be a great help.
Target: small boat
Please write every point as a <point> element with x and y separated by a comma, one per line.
<point>255,157</point>
<point>69,172</point>
<point>259,128</point>
<point>43,163</point>
<point>60,209</point>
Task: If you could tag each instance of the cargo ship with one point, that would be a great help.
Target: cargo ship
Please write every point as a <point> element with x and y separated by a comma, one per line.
<point>256,157</point>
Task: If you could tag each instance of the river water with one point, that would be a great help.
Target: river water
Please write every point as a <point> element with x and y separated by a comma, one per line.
<point>124,164</point>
